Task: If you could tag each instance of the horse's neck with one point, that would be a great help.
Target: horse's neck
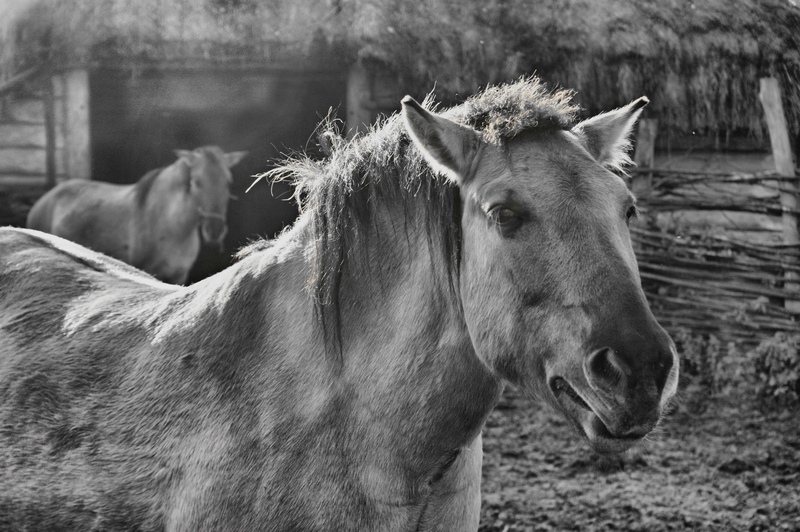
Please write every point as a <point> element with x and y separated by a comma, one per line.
<point>168,194</point>
<point>404,338</point>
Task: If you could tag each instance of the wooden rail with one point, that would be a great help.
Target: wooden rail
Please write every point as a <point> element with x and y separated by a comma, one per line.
<point>19,79</point>
<point>705,281</point>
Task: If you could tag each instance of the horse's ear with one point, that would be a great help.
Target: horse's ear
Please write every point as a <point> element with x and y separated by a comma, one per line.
<point>447,146</point>
<point>607,135</point>
<point>234,157</point>
<point>186,156</point>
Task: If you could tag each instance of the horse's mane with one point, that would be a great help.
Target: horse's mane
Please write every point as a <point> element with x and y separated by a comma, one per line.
<point>340,193</point>
<point>144,185</point>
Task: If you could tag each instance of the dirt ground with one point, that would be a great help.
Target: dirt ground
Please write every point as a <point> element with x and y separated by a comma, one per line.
<point>734,466</point>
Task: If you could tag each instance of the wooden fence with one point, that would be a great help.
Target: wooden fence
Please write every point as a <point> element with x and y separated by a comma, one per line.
<point>711,280</point>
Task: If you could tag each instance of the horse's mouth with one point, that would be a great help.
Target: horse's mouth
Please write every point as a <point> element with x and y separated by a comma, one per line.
<point>587,421</point>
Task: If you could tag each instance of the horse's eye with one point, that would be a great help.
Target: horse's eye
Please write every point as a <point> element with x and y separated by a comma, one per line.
<point>632,212</point>
<point>507,219</point>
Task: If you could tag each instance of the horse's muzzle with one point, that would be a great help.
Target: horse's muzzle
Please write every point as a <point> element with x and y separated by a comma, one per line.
<point>214,230</point>
<point>613,404</point>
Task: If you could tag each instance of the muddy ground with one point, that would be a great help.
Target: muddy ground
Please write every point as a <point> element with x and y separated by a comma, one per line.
<point>733,466</point>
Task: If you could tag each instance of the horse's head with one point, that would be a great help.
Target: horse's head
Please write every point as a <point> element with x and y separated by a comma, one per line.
<point>208,185</point>
<point>549,283</point>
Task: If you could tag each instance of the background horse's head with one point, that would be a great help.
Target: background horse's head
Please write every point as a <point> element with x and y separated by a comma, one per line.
<point>549,283</point>
<point>208,184</point>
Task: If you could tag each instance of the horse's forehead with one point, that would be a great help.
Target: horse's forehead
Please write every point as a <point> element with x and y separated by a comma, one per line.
<point>552,168</point>
<point>212,165</point>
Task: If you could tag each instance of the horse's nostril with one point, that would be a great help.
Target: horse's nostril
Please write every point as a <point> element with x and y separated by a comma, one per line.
<point>663,369</point>
<point>606,366</point>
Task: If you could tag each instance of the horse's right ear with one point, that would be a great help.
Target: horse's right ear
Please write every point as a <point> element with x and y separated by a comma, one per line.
<point>607,135</point>
<point>449,148</point>
<point>234,157</point>
<point>186,156</point>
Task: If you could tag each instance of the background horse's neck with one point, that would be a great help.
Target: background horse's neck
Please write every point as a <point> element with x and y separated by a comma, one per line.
<point>169,194</point>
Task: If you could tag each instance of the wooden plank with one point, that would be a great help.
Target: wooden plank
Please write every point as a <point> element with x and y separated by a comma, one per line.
<point>16,182</point>
<point>695,161</point>
<point>28,161</point>
<point>22,136</point>
<point>770,96</point>
<point>26,110</point>
<point>718,219</point>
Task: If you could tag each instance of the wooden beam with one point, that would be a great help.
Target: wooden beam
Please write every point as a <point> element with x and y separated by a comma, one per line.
<point>770,96</point>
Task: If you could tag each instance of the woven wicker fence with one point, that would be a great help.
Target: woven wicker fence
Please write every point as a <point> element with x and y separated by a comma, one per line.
<point>710,280</point>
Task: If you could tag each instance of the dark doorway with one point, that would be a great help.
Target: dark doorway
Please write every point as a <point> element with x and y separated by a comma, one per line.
<point>137,123</point>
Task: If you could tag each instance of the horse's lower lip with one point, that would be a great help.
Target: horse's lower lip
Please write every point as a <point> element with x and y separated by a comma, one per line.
<point>585,419</point>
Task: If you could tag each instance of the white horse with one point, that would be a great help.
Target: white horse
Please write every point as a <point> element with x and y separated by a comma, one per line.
<point>151,224</point>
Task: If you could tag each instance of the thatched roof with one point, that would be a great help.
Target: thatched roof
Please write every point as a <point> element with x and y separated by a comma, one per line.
<point>154,32</point>
<point>699,62</point>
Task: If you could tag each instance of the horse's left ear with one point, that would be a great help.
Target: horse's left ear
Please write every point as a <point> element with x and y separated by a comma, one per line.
<point>234,157</point>
<point>607,135</point>
<point>447,146</point>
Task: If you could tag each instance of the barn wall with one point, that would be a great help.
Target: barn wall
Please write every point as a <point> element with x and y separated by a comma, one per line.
<point>139,120</point>
<point>23,137</point>
<point>23,142</point>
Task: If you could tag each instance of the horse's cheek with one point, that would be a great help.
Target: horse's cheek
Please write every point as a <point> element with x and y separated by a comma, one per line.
<point>489,308</point>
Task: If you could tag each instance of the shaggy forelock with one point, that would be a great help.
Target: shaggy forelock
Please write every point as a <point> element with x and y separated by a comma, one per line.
<point>504,111</point>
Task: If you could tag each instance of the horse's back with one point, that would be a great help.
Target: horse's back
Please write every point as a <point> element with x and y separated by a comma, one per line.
<point>41,214</point>
<point>43,277</point>
<point>70,327</point>
<point>90,213</point>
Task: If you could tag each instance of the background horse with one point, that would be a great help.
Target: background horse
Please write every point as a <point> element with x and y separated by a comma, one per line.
<point>151,224</point>
<point>337,378</point>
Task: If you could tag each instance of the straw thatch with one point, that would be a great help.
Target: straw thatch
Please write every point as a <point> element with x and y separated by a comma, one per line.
<point>699,62</point>
<point>140,33</point>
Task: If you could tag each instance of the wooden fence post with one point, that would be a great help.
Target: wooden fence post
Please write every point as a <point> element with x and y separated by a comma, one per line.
<point>359,116</point>
<point>770,96</point>
<point>50,131</point>
<point>644,155</point>
<point>76,124</point>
